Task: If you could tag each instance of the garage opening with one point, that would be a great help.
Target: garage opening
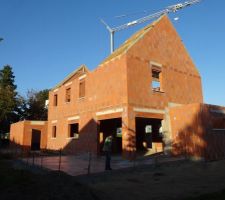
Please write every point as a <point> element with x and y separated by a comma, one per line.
<point>35,140</point>
<point>149,135</point>
<point>111,127</point>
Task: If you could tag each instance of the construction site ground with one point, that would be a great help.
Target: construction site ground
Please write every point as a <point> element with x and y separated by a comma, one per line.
<point>182,179</point>
<point>174,180</point>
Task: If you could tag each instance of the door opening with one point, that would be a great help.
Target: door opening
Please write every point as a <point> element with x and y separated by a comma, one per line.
<point>36,140</point>
<point>111,127</point>
<point>149,135</point>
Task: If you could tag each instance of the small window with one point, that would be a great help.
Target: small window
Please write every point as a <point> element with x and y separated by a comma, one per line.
<point>68,95</point>
<point>73,130</point>
<point>156,79</point>
<point>55,103</point>
<point>54,131</point>
<point>82,88</point>
<point>119,132</point>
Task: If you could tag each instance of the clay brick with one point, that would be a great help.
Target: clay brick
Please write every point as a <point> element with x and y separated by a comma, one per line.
<point>124,81</point>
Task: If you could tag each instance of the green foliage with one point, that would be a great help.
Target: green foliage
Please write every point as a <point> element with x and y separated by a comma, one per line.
<point>14,107</point>
<point>8,99</point>
<point>7,78</point>
<point>34,107</point>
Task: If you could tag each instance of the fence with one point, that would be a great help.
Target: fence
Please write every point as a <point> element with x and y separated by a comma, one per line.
<point>57,160</point>
<point>80,164</point>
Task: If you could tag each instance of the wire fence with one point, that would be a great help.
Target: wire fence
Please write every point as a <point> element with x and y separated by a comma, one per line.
<point>56,160</point>
<point>79,164</point>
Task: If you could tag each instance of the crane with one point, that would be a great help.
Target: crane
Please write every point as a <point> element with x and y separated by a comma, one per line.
<point>167,10</point>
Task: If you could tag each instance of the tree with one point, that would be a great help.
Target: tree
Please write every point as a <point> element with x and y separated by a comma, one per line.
<point>35,105</point>
<point>22,107</point>
<point>8,99</point>
<point>14,107</point>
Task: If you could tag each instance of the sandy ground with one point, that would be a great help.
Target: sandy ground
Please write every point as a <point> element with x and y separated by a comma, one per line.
<point>175,180</point>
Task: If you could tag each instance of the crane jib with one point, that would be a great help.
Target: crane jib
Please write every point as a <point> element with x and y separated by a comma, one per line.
<point>169,9</point>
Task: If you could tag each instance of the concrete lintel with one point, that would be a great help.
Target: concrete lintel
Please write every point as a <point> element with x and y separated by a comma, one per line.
<point>82,77</point>
<point>37,122</point>
<point>54,121</point>
<point>172,104</point>
<point>69,83</point>
<point>109,111</point>
<point>149,110</point>
<point>73,118</point>
<point>56,90</point>
<point>156,64</point>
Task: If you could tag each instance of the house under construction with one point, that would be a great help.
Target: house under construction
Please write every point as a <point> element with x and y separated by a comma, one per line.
<point>147,93</point>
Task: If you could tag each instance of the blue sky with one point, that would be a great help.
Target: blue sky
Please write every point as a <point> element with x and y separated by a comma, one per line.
<point>45,40</point>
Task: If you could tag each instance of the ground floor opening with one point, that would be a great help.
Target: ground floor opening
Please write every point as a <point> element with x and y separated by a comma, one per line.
<point>111,127</point>
<point>35,140</point>
<point>148,135</point>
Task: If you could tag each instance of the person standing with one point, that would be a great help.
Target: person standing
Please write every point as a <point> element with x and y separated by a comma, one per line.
<point>107,148</point>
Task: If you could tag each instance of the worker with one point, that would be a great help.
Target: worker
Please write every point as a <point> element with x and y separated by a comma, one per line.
<point>107,148</point>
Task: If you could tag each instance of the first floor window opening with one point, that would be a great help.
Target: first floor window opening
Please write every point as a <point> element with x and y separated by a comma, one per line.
<point>156,83</point>
<point>55,103</point>
<point>74,130</point>
<point>156,74</point>
<point>54,129</point>
<point>68,95</point>
<point>82,88</point>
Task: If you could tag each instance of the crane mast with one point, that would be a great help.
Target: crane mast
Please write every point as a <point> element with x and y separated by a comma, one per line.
<point>167,10</point>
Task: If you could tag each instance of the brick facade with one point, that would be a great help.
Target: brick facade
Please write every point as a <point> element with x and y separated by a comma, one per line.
<point>21,133</point>
<point>138,84</point>
<point>121,87</point>
<point>198,130</point>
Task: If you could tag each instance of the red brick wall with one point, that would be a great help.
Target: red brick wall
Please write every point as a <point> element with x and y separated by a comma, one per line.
<point>17,133</point>
<point>192,131</point>
<point>106,87</point>
<point>125,81</point>
<point>180,79</point>
<point>187,130</point>
<point>21,133</point>
<point>214,118</point>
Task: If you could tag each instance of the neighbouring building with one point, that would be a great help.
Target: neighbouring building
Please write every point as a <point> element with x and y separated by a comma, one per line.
<point>29,135</point>
<point>147,94</point>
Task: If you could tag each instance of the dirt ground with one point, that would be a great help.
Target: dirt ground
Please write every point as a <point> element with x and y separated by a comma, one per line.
<point>35,184</point>
<point>176,180</point>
